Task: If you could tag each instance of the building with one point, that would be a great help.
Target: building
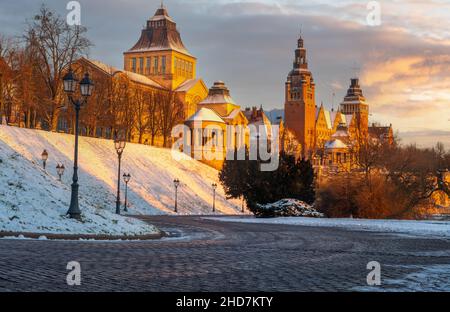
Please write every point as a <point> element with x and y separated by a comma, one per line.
<point>328,137</point>
<point>160,55</point>
<point>300,105</point>
<point>208,126</point>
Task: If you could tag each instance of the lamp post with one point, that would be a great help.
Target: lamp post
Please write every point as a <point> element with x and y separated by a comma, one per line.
<point>126,179</point>
<point>119,144</point>
<point>60,170</point>
<point>86,88</point>
<point>214,186</point>
<point>176,183</point>
<point>44,157</point>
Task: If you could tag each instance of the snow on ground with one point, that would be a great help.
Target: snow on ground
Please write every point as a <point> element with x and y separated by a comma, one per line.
<point>33,200</point>
<point>420,228</point>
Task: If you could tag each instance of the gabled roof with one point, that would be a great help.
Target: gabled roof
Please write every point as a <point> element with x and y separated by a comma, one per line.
<point>326,114</point>
<point>188,85</point>
<point>206,114</point>
<point>112,71</point>
<point>233,114</point>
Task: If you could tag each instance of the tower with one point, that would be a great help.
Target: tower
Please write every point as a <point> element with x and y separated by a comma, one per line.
<point>355,104</point>
<point>160,53</point>
<point>300,105</point>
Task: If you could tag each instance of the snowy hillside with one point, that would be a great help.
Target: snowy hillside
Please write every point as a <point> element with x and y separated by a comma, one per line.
<point>153,170</point>
<point>33,201</point>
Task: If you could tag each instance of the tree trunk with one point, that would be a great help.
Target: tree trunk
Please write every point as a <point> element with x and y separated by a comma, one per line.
<point>54,120</point>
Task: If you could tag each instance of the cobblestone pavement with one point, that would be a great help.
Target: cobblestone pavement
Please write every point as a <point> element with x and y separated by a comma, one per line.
<point>223,256</point>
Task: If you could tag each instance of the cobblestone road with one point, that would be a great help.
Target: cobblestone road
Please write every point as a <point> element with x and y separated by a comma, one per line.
<point>223,256</point>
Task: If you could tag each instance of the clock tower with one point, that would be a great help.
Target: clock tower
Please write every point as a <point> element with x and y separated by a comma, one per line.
<point>300,104</point>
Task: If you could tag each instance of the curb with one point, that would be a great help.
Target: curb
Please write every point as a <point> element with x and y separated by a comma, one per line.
<point>74,237</point>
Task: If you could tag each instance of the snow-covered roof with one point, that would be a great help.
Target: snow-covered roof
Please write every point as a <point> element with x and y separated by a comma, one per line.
<point>187,85</point>
<point>206,114</point>
<point>335,144</point>
<point>218,99</point>
<point>218,94</point>
<point>110,70</point>
<point>233,114</point>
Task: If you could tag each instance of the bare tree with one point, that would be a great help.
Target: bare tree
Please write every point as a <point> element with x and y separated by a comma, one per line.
<point>172,113</point>
<point>8,76</point>
<point>153,117</point>
<point>57,45</point>
<point>139,107</point>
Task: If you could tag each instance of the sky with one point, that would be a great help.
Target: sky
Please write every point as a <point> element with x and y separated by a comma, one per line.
<point>403,63</point>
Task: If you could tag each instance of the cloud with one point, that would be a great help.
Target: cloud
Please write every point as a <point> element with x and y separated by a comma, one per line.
<point>250,45</point>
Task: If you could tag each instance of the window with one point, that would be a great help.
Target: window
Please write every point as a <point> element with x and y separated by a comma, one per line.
<point>133,65</point>
<point>141,65</point>
<point>149,64</point>
<point>155,64</point>
<point>163,64</point>
<point>175,65</point>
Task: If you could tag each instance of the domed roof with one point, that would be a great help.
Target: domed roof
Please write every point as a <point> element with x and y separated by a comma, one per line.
<point>335,144</point>
<point>206,114</point>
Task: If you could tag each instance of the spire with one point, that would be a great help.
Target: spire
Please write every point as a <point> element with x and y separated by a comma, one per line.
<point>300,42</point>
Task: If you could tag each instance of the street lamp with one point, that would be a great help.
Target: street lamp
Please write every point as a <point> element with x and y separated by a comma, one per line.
<point>126,179</point>
<point>119,144</point>
<point>86,88</point>
<point>44,157</point>
<point>214,186</point>
<point>176,183</point>
<point>60,170</point>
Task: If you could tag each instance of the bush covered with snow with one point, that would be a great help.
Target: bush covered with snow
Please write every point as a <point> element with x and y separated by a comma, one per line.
<point>286,208</point>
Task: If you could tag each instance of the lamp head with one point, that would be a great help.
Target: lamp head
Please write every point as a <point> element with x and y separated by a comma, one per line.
<point>70,82</point>
<point>86,86</point>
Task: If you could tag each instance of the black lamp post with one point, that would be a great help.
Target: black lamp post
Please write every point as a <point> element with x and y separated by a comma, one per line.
<point>44,157</point>
<point>214,186</point>
<point>176,183</point>
<point>60,170</point>
<point>86,88</point>
<point>119,144</point>
<point>126,179</point>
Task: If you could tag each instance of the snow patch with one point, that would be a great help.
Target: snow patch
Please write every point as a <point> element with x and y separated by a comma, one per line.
<point>440,229</point>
